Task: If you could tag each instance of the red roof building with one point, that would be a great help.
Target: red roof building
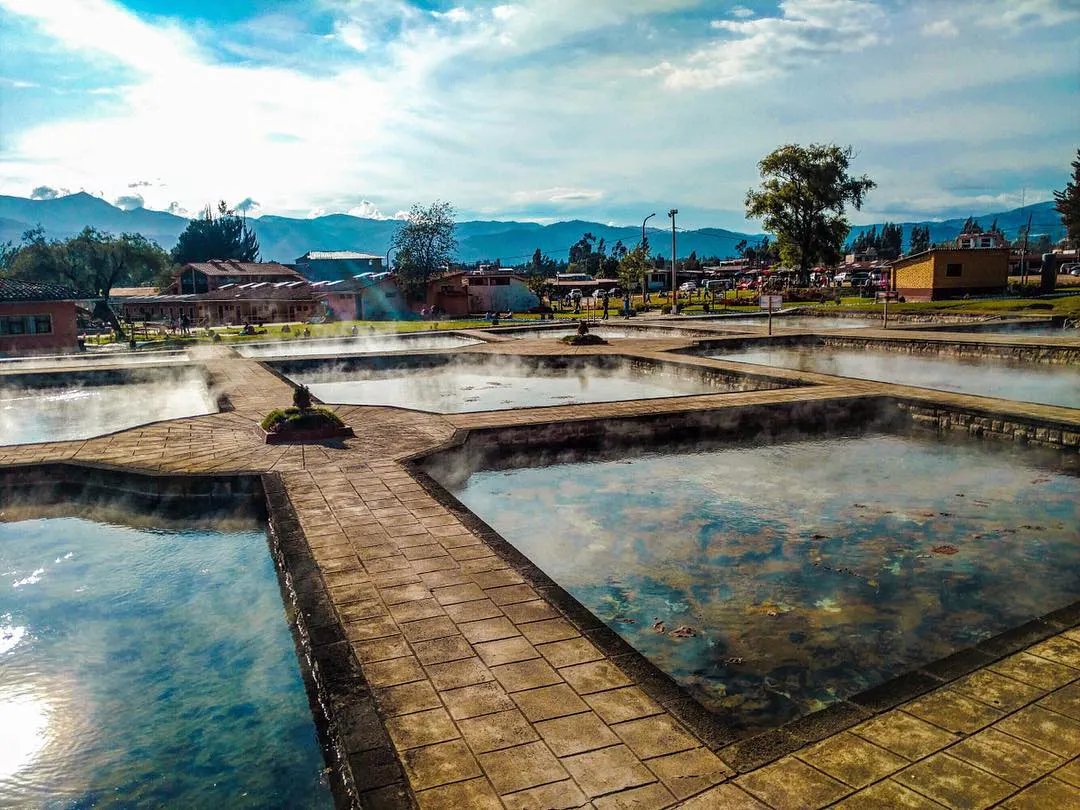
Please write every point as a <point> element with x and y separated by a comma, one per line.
<point>36,318</point>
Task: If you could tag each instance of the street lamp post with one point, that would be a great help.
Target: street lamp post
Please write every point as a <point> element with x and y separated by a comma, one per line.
<point>645,274</point>
<point>674,295</point>
<point>388,250</point>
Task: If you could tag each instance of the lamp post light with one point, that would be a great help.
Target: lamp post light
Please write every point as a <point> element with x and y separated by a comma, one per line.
<point>674,293</point>
<point>645,274</point>
<point>388,251</point>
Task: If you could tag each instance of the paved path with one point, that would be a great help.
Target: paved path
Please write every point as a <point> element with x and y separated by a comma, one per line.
<point>492,698</point>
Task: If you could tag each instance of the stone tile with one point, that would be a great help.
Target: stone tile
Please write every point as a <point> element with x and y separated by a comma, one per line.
<point>655,736</point>
<point>569,652</point>
<point>441,650</point>
<point>475,794</point>
<point>393,672</point>
<point>455,674</point>
<point>405,593</point>
<point>1047,794</point>
<point>725,797</point>
<point>414,611</point>
<point>1005,756</point>
<point>421,728</point>
<point>1064,701</point>
<point>407,698</point>
<point>380,649</point>
<point>391,797</point>
<point>619,705</point>
<point>471,701</point>
<point>649,797</point>
<point>511,594</point>
<point>488,629</point>
<point>1061,649</point>
<point>954,783</point>
<point>1046,729</point>
<point>506,651</point>
<point>427,629</point>
<point>370,629</point>
<point>443,578</point>
<point>953,711</point>
<point>790,784</point>
<point>887,795</point>
<point>533,611</point>
<point>473,611</point>
<point>494,731</point>
<point>439,764</point>
<point>595,676</point>
<point>905,735</point>
<point>997,690</point>
<point>1036,671</point>
<point>689,772</point>
<point>548,630</point>
<point>454,594</point>
<point>525,675</point>
<point>358,611</point>
<point>1069,772</point>
<point>852,759</point>
<point>555,796</point>
<point>608,770</point>
<point>526,766</point>
<point>575,734</point>
<point>497,579</point>
<point>549,702</point>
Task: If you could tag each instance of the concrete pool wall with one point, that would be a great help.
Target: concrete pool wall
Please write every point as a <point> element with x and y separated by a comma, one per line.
<point>341,704</point>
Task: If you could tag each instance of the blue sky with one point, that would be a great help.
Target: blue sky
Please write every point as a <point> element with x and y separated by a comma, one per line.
<point>534,109</point>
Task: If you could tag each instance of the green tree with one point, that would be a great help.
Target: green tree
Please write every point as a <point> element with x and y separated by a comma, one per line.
<point>1067,203</point>
<point>802,199</point>
<point>425,245</point>
<point>91,263</point>
<point>223,235</point>
<point>633,267</point>
<point>920,239</point>
<point>539,285</point>
<point>891,241</point>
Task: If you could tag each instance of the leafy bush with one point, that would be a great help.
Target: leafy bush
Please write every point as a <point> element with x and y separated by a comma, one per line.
<point>290,419</point>
<point>584,340</point>
<point>301,397</point>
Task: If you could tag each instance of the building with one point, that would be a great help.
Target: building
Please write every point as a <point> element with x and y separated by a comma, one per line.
<point>365,297</point>
<point>337,265</point>
<point>936,274</point>
<point>980,241</point>
<point>36,318</point>
<point>464,293</point>
<point>201,277</point>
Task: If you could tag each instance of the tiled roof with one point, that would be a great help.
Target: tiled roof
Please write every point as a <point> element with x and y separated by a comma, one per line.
<point>221,267</point>
<point>14,290</point>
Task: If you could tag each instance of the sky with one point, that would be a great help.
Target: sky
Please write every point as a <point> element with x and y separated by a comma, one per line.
<point>542,110</point>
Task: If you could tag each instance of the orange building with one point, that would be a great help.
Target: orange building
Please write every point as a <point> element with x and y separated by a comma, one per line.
<point>36,318</point>
<point>936,274</point>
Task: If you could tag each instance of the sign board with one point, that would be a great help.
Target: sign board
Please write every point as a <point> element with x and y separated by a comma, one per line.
<point>771,302</point>
<point>887,296</point>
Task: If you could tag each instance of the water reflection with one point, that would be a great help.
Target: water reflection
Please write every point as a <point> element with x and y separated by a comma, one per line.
<point>805,571</point>
<point>1048,384</point>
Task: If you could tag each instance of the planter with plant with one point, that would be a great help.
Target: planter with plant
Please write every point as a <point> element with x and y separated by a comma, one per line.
<point>302,422</point>
<point>584,337</point>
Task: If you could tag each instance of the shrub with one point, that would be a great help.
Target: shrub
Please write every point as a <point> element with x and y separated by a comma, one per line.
<point>583,340</point>
<point>301,397</point>
<point>289,419</point>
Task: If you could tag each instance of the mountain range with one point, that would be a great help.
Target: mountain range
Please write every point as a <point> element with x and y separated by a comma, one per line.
<point>285,238</point>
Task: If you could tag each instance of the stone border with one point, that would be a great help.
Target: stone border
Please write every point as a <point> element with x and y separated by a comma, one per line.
<point>336,692</point>
<point>745,754</point>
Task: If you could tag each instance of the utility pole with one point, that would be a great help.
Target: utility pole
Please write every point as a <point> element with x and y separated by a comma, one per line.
<point>674,286</point>
<point>645,275</point>
<point>1023,252</point>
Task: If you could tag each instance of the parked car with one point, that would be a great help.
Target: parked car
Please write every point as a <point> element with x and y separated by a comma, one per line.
<point>575,294</point>
<point>859,279</point>
<point>841,277</point>
<point>1071,269</point>
<point>615,292</point>
<point>718,284</point>
<point>688,286</point>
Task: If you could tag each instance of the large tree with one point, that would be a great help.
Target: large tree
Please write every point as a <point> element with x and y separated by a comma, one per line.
<point>425,244</point>
<point>802,198</point>
<point>1067,203</point>
<point>920,239</point>
<point>91,263</point>
<point>633,268</point>
<point>217,235</point>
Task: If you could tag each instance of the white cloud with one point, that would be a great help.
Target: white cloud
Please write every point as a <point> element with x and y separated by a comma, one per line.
<point>558,195</point>
<point>742,12</point>
<point>16,84</point>
<point>176,209</point>
<point>368,210</point>
<point>129,202</point>
<point>1023,13</point>
<point>946,29</point>
<point>247,205</point>
<point>48,193</point>
<point>805,32</point>
<point>454,15</point>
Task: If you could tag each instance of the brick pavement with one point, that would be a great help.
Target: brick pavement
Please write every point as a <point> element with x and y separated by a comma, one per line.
<point>491,697</point>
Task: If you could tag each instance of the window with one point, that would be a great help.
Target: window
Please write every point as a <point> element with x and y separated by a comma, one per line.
<point>500,282</point>
<point>953,270</point>
<point>25,324</point>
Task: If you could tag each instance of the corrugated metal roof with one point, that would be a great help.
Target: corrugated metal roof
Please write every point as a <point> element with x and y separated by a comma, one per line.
<point>335,255</point>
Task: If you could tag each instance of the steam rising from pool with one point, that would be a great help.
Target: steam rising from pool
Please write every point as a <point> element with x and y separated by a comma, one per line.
<point>363,344</point>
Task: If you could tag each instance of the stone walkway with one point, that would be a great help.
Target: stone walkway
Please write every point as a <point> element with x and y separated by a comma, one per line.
<point>491,697</point>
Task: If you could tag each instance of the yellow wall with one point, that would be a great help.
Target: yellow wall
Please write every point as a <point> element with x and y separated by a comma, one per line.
<point>919,274</point>
<point>979,268</point>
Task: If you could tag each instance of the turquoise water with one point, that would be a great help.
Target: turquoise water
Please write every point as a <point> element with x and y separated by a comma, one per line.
<point>806,570</point>
<point>1034,382</point>
<point>30,415</point>
<point>148,668</point>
